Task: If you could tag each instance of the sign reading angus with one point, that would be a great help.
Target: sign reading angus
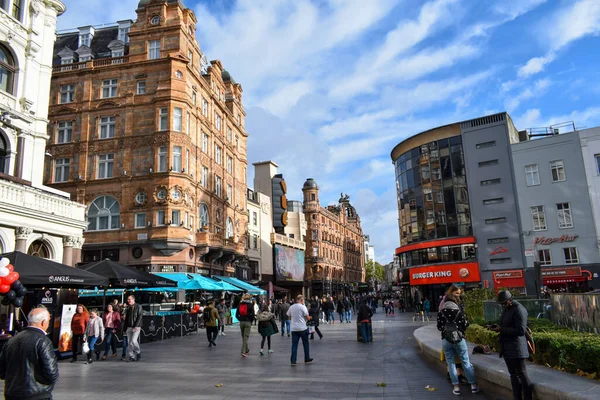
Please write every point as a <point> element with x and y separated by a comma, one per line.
<point>151,329</point>
<point>189,322</point>
<point>279,203</point>
<point>289,263</point>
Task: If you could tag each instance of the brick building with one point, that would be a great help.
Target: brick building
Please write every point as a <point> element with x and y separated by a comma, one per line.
<point>150,136</point>
<point>334,243</point>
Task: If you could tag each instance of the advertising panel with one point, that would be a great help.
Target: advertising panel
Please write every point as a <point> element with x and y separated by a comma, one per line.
<point>289,263</point>
<point>66,335</point>
<point>445,274</point>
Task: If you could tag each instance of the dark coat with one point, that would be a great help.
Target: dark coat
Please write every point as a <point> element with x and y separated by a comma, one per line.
<point>452,312</point>
<point>513,324</point>
<point>133,317</point>
<point>265,323</point>
<point>364,312</point>
<point>314,311</point>
<point>340,306</point>
<point>28,366</point>
<point>283,309</point>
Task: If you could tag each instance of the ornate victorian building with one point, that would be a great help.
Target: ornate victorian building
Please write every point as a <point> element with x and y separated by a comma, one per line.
<point>150,136</point>
<point>34,219</point>
<point>334,243</point>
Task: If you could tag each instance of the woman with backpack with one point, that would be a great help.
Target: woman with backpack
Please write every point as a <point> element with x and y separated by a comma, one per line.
<point>452,323</point>
<point>266,327</point>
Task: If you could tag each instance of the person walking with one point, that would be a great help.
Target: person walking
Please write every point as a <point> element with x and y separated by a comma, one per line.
<point>314,312</point>
<point>322,315</point>
<point>418,303</point>
<point>348,309</point>
<point>93,332</point>
<point>513,344</point>
<point>211,321</point>
<point>452,323</point>
<point>222,309</point>
<point>299,316</point>
<point>133,328</point>
<point>266,327</point>
<point>340,309</point>
<point>331,310</point>
<point>283,316</point>
<point>427,307</point>
<point>112,323</point>
<point>256,310</point>
<point>123,331</point>
<point>245,314</point>
<point>78,325</point>
<point>364,317</point>
<point>28,365</point>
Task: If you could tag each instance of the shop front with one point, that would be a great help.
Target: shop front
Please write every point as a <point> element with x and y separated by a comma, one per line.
<point>512,279</point>
<point>569,279</point>
<point>434,280</point>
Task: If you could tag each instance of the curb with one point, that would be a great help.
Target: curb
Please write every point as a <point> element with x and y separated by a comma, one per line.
<point>548,383</point>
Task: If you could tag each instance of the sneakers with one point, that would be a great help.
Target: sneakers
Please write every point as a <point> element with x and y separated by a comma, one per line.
<point>294,364</point>
<point>262,353</point>
<point>138,357</point>
<point>456,390</point>
<point>123,358</point>
<point>474,389</point>
<point>289,335</point>
<point>223,334</point>
<point>270,351</point>
<point>131,359</point>
<point>244,355</point>
<point>309,361</point>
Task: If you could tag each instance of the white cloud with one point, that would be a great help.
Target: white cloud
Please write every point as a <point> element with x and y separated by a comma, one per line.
<point>533,118</point>
<point>571,23</point>
<point>515,8</point>
<point>287,95</point>
<point>537,90</point>
<point>535,65</point>
<point>95,12</point>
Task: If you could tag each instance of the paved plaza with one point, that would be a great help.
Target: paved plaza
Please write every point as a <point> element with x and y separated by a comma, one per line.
<point>185,368</point>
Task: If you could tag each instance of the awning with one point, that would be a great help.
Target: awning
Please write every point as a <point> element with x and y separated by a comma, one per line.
<point>100,293</point>
<point>241,284</point>
<point>125,276</point>
<point>190,281</point>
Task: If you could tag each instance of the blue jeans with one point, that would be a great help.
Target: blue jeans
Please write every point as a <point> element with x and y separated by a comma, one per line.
<point>296,336</point>
<point>459,349</point>
<point>285,324</point>
<point>124,346</point>
<point>111,342</point>
<point>341,314</point>
<point>91,342</point>
<point>331,316</point>
<point>348,316</point>
<point>364,328</point>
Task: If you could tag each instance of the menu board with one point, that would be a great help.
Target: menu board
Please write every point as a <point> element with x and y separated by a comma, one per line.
<point>66,335</point>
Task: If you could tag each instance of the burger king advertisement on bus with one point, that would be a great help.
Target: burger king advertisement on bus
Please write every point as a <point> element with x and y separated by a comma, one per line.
<point>447,273</point>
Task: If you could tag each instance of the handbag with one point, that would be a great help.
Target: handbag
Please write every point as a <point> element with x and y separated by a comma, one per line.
<point>274,326</point>
<point>85,348</point>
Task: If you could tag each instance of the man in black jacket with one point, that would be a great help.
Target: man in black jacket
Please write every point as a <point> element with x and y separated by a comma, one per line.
<point>133,327</point>
<point>28,364</point>
<point>513,344</point>
<point>283,317</point>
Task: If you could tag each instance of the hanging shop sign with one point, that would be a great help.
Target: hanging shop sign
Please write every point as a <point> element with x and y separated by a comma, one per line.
<point>509,278</point>
<point>546,241</point>
<point>561,272</point>
<point>447,273</point>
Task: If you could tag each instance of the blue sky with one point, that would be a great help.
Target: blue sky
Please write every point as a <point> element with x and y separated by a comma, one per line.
<point>331,86</point>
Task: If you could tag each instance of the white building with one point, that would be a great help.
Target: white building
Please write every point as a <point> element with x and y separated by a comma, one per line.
<point>590,149</point>
<point>369,250</point>
<point>33,218</point>
<point>260,227</point>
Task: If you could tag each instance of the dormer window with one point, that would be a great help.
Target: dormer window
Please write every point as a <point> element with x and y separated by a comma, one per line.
<point>86,34</point>
<point>67,56</point>
<point>124,27</point>
<point>117,49</point>
<point>85,40</point>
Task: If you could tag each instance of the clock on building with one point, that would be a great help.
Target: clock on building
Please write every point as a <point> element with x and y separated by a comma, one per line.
<point>155,20</point>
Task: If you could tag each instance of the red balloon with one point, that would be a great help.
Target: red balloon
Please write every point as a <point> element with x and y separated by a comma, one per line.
<point>10,278</point>
<point>10,267</point>
<point>17,275</point>
<point>4,288</point>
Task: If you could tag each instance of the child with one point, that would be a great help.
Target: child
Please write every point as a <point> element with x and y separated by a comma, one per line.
<point>94,330</point>
<point>427,307</point>
<point>266,327</point>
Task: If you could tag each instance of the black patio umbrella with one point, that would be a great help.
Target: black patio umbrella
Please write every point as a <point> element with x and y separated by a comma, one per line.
<point>124,276</point>
<point>35,271</point>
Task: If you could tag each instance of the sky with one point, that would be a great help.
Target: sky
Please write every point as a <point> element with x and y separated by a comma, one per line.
<point>331,86</point>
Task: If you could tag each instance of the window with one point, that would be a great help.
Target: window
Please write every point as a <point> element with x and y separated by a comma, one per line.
<point>532,175</point>
<point>191,57</point>
<point>163,119</point>
<point>188,120</point>
<point>204,215</point>
<point>162,159</point>
<point>255,241</point>
<point>495,220</point>
<point>140,220</point>
<point>61,169</point>
<point>218,154</point>
<point>539,218</point>
<point>218,185</point>
<point>175,217</point>
<point>229,164</point>
<point>218,122</point>
<point>544,257</point>
<point>204,180</point>
<point>255,218</point>
<point>178,74</point>
<point>229,193</point>
<point>109,88</point>
<point>176,158</point>
<point>229,134</point>
<point>153,49</point>
<point>84,39</point>
<point>7,71</point>
<point>485,144</point>
<point>558,171</point>
<point>65,130</point>
<point>497,240</point>
<point>204,107</point>
<point>571,256</point>
<point>160,218</point>
<point>141,87</point>
<point>503,260</point>
<point>105,165</point>
<point>497,200</point>
<point>229,229</point>
<point>488,163</point>
<point>194,98</point>
<point>104,214</point>
<point>123,34</point>
<point>177,114</point>
<point>67,93</point>
<point>597,157</point>
<point>204,142</point>
<point>16,9</point>
<point>490,182</point>
<point>563,211</point>
<point>187,161</point>
<point>141,198</point>
<point>107,127</point>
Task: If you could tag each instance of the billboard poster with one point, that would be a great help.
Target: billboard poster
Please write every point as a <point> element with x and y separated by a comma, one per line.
<point>289,263</point>
<point>65,335</point>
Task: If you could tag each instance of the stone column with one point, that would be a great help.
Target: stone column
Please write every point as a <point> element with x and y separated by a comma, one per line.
<point>77,250</point>
<point>68,243</point>
<point>22,234</point>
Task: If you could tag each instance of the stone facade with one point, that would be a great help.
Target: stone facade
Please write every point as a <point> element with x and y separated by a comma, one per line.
<point>334,243</point>
<point>154,142</point>
<point>34,219</point>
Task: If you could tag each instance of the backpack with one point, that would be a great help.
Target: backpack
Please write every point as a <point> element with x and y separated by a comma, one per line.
<point>451,332</point>
<point>206,314</point>
<point>243,309</point>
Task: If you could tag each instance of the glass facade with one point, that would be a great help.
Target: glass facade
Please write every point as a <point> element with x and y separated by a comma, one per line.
<point>433,198</point>
<point>436,255</point>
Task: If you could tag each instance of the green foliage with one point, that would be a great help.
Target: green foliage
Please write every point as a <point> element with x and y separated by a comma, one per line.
<point>556,346</point>
<point>473,303</point>
<point>379,272</point>
<point>369,270</point>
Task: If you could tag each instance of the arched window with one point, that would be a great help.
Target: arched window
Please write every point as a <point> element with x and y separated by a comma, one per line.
<point>104,214</point>
<point>3,154</point>
<point>229,229</point>
<point>7,70</point>
<point>39,249</point>
<point>204,215</point>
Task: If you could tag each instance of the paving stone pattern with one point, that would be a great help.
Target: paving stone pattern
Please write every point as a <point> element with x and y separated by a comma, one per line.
<point>185,368</point>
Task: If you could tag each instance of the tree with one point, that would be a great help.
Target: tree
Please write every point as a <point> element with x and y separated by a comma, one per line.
<point>379,272</point>
<point>369,270</point>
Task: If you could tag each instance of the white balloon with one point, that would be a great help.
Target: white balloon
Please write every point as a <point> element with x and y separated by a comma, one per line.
<point>4,262</point>
<point>4,271</point>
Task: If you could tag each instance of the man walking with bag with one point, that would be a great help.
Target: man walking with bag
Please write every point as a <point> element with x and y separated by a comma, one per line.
<point>299,316</point>
<point>245,314</point>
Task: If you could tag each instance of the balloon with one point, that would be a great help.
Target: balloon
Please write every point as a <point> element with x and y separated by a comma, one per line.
<point>4,271</point>
<point>16,285</point>
<point>4,301</point>
<point>10,278</point>
<point>17,275</point>
<point>11,295</point>
<point>4,288</point>
<point>21,292</point>
<point>4,262</point>
<point>18,302</point>
<point>10,267</point>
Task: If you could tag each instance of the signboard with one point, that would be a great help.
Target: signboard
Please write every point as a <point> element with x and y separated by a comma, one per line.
<point>529,253</point>
<point>289,263</point>
<point>142,236</point>
<point>65,334</point>
<point>445,274</point>
<point>46,297</point>
<point>561,272</point>
<point>509,278</point>
<point>546,241</point>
